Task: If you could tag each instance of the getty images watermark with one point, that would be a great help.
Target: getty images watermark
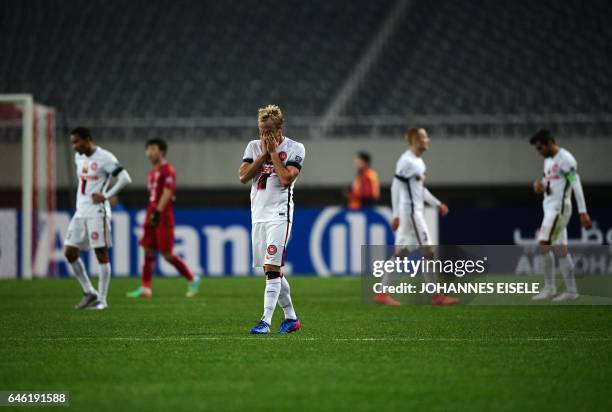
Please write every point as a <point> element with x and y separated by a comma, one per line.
<point>485,274</point>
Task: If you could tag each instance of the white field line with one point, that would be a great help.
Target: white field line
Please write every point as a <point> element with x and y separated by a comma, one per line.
<point>296,338</point>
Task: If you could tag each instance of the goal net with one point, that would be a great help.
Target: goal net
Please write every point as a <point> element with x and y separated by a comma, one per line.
<point>27,186</point>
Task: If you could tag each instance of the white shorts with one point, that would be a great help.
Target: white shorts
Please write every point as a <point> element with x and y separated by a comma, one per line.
<point>554,228</point>
<point>89,232</point>
<point>269,242</point>
<point>412,232</point>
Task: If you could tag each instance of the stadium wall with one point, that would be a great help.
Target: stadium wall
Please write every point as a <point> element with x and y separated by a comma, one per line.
<point>329,162</point>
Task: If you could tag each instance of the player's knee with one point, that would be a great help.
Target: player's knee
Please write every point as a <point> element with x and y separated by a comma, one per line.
<point>168,256</point>
<point>71,255</point>
<point>560,251</point>
<point>102,255</point>
<point>149,253</point>
<point>544,247</point>
<point>272,274</point>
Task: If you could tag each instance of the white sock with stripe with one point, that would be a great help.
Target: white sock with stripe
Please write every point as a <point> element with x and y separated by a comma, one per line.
<point>284,299</point>
<point>104,281</point>
<point>78,268</point>
<point>273,288</point>
<point>566,267</point>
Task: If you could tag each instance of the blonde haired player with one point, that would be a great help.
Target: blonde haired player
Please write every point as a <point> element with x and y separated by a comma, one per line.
<point>408,198</point>
<point>272,163</point>
<point>90,226</point>
<point>560,177</point>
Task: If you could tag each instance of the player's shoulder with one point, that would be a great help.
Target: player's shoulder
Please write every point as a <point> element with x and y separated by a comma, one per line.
<point>566,156</point>
<point>105,154</point>
<point>167,167</point>
<point>294,144</point>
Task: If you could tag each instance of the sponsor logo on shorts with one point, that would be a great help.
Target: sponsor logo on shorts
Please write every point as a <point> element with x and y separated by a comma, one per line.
<point>272,250</point>
<point>94,235</point>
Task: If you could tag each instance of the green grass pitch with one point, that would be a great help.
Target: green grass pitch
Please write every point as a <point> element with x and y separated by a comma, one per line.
<point>171,353</point>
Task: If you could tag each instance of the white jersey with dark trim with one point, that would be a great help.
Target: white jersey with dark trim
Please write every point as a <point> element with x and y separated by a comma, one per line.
<point>94,173</point>
<point>410,171</point>
<point>271,201</point>
<point>559,171</point>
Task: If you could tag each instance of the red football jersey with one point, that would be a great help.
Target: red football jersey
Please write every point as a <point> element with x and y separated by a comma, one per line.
<point>161,177</point>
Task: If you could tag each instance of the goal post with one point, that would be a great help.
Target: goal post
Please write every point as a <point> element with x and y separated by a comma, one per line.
<point>30,125</point>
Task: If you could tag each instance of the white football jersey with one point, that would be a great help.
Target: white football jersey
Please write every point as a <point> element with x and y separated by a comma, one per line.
<point>94,173</point>
<point>559,170</point>
<point>410,175</point>
<point>270,200</point>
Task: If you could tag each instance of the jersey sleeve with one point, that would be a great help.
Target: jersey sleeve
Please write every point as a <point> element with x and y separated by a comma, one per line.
<point>296,159</point>
<point>249,154</point>
<point>112,165</point>
<point>405,169</point>
<point>169,178</point>
<point>569,168</point>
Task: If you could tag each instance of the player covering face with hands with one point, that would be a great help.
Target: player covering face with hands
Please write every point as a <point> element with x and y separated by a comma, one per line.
<point>272,163</point>
<point>90,226</point>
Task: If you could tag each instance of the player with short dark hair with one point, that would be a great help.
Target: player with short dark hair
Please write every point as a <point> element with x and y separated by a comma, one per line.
<point>159,223</point>
<point>559,179</point>
<point>90,227</point>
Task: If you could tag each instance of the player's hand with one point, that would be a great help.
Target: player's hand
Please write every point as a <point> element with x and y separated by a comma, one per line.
<point>263,143</point>
<point>154,219</point>
<point>538,187</point>
<point>271,142</point>
<point>98,198</point>
<point>395,223</point>
<point>443,209</point>
<point>585,220</point>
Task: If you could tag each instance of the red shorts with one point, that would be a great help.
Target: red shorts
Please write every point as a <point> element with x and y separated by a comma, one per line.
<point>160,238</point>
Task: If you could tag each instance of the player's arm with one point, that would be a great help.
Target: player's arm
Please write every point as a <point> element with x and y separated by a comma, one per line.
<point>433,201</point>
<point>122,180</point>
<point>289,172</point>
<point>250,167</point>
<point>286,175</point>
<point>396,196</point>
<point>574,179</point>
<point>165,198</point>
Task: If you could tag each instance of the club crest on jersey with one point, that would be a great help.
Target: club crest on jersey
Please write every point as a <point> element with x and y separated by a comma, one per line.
<point>272,250</point>
<point>282,156</point>
<point>94,235</point>
<point>94,166</point>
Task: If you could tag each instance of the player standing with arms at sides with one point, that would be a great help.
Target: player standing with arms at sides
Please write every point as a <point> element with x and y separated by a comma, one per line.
<point>91,224</point>
<point>408,197</point>
<point>560,177</point>
<point>159,223</point>
<point>272,163</point>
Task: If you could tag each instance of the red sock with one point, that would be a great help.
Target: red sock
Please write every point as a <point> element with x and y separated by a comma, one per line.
<point>182,268</point>
<point>147,271</point>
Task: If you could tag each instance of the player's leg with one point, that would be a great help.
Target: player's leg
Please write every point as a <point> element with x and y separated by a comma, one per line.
<point>100,241</point>
<point>291,323</point>
<point>258,240</point>
<point>547,231</point>
<point>165,244</point>
<point>149,244</point>
<point>148,268</point>
<point>76,238</point>
<point>566,263</point>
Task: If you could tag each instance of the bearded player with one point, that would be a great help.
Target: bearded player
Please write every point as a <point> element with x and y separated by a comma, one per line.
<point>272,163</point>
<point>408,196</point>
<point>159,222</point>
<point>560,178</point>
<point>90,226</point>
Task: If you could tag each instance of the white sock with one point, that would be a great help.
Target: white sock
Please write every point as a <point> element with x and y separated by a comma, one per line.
<point>566,267</point>
<point>284,299</point>
<point>548,266</point>
<point>273,288</point>
<point>103,282</point>
<point>78,268</point>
